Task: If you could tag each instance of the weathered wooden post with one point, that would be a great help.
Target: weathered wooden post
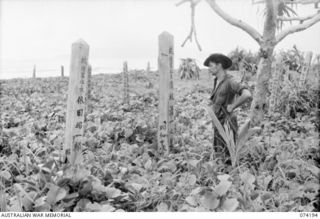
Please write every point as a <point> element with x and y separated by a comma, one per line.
<point>305,69</point>
<point>62,71</point>
<point>148,68</point>
<point>125,81</point>
<point>165,67</point>
<point>88,93</point>
<point>34,71</point>
<point>77,101</point>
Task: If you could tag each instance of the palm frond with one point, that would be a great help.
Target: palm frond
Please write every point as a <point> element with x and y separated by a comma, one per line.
<point>236,149</point>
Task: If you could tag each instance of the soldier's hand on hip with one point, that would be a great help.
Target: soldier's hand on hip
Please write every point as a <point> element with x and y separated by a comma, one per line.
<point>209,102</point>
<point>230,108</point>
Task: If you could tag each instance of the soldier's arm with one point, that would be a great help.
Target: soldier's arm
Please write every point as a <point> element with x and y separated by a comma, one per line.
<point>245,96</point>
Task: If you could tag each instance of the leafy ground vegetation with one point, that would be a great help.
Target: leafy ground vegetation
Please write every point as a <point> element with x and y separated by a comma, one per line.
<point>122,170</point>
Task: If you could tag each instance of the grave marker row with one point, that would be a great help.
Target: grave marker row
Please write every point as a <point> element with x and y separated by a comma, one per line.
<point>34,72</point>
<point>62,71</point>
<point>125,84</point>
<point>79,95</point>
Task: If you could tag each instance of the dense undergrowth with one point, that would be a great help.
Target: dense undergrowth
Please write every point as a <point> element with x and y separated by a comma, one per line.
<point>122,170</point>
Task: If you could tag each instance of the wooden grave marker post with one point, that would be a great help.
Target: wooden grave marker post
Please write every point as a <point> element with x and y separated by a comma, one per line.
<point>77,101</point>
<point>125,80</point>
<point>148,68</point>
<point>62,71</point>
<point>88,90</point>
<point>34,71</point>
<point>165,67</point>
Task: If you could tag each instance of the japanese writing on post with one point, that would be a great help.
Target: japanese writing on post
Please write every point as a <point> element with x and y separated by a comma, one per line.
<point>77,101</point>
<point>125,80</point>
<point>165,64</point>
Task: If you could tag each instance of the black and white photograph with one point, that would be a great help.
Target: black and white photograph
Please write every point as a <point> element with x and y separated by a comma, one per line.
<point>159,106</point>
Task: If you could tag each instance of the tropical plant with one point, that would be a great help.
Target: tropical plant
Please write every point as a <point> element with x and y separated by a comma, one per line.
<point>293,58</point>
<point>238,148</point>
<point>189,69</point>
<point>239,56</point>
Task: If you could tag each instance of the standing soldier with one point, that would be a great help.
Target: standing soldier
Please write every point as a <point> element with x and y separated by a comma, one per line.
<point>226,95</point>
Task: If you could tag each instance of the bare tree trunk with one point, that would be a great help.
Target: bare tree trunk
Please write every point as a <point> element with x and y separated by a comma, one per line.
<point>259,103</point>
<point>274,86</point>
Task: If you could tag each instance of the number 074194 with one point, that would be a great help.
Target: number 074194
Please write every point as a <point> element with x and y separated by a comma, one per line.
<point>309,214</point>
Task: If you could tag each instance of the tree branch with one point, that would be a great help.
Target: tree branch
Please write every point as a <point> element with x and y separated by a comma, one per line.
<point>297,28</point>
<point>191,1</point>
<point>303,2</point>
<point>301,19</point>
<point>238,23</point>
<point>193,4</point>
<point>181,2</point>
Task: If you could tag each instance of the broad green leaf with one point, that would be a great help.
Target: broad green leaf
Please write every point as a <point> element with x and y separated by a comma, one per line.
<point>222,188</point>
<point>200,209</point>
<point>243,130</point>
<point>196,190</point>
<point>191,201</point>
<point>55,194</point>
<point>248,178</point>
<point>230,204</point>
<point>128,133</point>
<point>5,174</point>
<point>42,207</point>
<point>40,201</point>
<point>14,205</point>
<point>209,201</point>
<point>313,169</point>
<point>81,205</point>
<point>93,207</point>
<point>112,192</point>
<point>223,177</point>
<point>187,180</point>
<point>61,194</point>
<point>191,179</point>
<point>170,165</point>
<point>136,187</point>
<point>26,203</point>
<point>311,187</point>
<point>168,179</point>
<point>193,163</point>
<point>162,207</point>
<point>22,191</point>
<point>107,208</point>
<point>266,195</point>
<point>148,165</point>
<point>81,174</point>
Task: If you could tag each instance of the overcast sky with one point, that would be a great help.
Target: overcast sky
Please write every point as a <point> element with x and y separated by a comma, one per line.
<point>41,32</point>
